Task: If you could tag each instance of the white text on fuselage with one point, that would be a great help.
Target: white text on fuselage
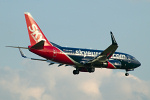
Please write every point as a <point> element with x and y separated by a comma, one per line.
<point>118,56</point>
<point>87,53</point>
<point>94,54</point>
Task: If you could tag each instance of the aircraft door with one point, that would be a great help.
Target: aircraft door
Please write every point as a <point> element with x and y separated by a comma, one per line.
<point>54,52</point>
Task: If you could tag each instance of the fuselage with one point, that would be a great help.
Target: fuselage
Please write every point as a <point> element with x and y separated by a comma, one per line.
<point>78,57</point>
<point>118,59</point>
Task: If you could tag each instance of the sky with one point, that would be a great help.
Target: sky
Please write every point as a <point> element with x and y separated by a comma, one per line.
<point>74,23</point>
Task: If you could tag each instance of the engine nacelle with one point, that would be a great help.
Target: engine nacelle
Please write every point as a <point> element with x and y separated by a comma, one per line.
<point>105,64</point>
<point>101,65</point>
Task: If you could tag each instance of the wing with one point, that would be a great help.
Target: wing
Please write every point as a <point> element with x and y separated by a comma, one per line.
<point>49,61</point>
<point>24,56</point>
<point>107,53</point>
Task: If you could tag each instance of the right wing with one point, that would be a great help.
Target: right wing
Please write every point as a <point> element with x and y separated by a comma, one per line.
<point>107,53</point>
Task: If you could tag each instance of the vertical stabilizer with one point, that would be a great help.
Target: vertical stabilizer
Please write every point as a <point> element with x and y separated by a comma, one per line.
<point>35,33</point>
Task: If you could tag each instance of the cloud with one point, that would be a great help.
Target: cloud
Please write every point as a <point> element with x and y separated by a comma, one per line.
<point>38,81</point>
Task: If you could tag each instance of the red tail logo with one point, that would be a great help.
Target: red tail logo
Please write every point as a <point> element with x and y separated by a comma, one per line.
<point>35,33</point>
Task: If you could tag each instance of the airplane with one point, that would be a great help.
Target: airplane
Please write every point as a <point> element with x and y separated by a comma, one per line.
<point>83,60</point>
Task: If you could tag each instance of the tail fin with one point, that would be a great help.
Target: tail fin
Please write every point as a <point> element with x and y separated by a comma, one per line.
<point>35,33</point>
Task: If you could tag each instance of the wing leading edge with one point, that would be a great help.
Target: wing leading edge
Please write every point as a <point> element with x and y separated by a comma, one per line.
<point>107,53</point>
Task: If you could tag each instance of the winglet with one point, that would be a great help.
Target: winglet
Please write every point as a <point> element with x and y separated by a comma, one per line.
<point>113,39</point>
<point>22,54</point>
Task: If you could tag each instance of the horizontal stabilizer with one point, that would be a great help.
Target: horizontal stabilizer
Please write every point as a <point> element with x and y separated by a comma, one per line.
<point>39,45</point>
<point>17,47</point>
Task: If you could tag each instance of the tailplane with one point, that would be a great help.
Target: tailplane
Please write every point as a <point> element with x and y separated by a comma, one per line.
<point>35,33</point>
<point>39,45</point>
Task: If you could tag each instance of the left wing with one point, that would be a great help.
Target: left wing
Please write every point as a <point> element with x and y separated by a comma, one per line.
<point>107,53</point>
<point>49,61</point>
<point>24,56</point>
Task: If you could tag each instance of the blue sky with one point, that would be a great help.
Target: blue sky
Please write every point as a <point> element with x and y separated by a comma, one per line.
<point>74,23</point>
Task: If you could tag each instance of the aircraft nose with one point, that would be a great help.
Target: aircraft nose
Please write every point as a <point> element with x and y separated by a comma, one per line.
<point>138,63</point>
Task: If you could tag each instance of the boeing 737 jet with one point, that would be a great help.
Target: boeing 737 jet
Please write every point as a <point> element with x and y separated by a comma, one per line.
<point>83,60</point>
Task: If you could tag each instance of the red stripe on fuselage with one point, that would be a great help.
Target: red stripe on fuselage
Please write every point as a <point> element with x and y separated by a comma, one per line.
<point>53,53</point>
<point>110,66</point>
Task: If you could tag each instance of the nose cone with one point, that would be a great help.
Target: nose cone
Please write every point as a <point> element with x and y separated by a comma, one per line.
<point>138,63</point>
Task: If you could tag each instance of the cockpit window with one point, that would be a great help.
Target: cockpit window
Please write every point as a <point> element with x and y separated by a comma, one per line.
<point>133,58</point>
